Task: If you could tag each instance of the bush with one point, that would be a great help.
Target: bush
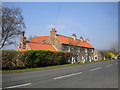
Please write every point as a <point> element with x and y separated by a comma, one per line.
<point>39,58</point>
<point>105,54</point>
<point>10,59</point>
<point>33,58</point>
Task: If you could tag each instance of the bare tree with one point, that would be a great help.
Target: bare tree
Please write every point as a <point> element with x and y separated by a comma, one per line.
<point>0,21</point>
<point>12,25</point>
<point>30,37</point>
<point>114,47</point>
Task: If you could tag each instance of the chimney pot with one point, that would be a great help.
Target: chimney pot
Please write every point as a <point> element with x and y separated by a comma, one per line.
<point>23,33</point>
<point>81,38</point>
<point>74,36</point>
<point>53,33</point>
<point>53,29</point>
<point>87,40</point>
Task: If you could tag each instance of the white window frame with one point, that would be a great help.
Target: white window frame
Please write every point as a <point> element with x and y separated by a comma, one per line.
<point>92,50</point>
<point>68,48</point>
<point>78,49</point>
<point>85,50</point>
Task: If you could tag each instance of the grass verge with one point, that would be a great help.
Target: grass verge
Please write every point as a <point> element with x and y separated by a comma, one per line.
<point>45,68</point>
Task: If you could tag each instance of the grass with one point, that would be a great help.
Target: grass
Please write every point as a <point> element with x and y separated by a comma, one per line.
<point>45,68</point>
<point>35,69</point>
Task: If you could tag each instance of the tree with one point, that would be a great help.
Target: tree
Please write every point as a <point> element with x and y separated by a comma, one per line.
<point>30,37</point>
<point>12,25</point>
<point>107,54</point>
<point>104,54</point>
<point>114,47</point>
<point>111,55</point>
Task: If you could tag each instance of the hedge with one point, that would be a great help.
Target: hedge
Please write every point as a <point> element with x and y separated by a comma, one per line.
<point>33,58</point>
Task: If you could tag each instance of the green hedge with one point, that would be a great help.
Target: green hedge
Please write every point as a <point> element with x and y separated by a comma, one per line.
<point>33,58</point>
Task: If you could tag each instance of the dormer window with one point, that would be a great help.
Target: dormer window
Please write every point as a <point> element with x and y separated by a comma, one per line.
<point>43,41</point>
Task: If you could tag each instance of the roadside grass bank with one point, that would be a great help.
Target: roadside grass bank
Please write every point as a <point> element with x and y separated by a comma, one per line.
<point>49,67</point>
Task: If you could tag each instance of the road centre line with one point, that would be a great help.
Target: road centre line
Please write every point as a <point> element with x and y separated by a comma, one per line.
<point>108,65</point>
<point>19,85</point>
<point>68,75</point>
<point>95,69</point>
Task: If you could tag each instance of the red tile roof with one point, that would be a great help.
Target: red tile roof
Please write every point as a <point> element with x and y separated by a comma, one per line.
<point>39,39</point>
<point>69,40</point>
<point>85,44</point>
<point>35,42</point>
<point>39,46</point>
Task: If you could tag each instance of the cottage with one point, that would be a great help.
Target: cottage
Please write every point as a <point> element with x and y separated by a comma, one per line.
<point>82,50</point>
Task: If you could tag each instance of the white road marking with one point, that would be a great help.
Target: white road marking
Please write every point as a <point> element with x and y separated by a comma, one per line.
<point>68,75</point>
<point>95,69</point>
<point>116,63</point>
<point>19,85</point>
<point>108,65</point>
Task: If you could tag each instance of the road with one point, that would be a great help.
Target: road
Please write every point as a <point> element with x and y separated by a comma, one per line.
<point>94,75</point>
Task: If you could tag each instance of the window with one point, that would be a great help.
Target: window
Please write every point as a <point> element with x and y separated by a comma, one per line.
<point>78,48</point>
<point>92,50</point>
<point>43,41</point>
<point>68,48</point>
<point>86,50</point>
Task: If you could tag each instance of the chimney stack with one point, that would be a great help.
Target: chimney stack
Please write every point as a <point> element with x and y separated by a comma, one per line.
<point>74,36</point>
<point>87,40</point>
<point>23,33</point>
<point>53,33</point>
<point>81,38</point>
<point>23,41</point>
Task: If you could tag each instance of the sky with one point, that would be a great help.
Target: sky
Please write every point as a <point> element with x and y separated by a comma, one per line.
<point>97,21</point>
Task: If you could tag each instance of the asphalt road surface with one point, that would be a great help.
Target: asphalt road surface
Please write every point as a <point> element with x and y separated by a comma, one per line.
<point>94,75</point>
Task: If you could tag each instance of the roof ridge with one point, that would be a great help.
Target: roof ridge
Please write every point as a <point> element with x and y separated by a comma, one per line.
<point>67,36</point>
<point>41,36</point>
<point>39,43</point>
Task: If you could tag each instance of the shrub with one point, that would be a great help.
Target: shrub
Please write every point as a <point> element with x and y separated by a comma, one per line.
<point>34,58</point>
<point>38,58</point>
<point>10,59</point>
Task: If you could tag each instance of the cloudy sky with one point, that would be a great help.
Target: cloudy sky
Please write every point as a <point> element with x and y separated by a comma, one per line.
<point>97,21</point>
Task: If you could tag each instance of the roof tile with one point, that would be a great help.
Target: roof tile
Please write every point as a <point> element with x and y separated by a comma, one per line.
<point>39,46</point>
<point>35,42</point>
<point>71,41</point>
<point>39,39</point>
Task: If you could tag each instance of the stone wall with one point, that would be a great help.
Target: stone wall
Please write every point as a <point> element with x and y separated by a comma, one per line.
<point>97,55</point>
<point>23,42</point>
<point>55,42</point>
<point>82,54</point>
